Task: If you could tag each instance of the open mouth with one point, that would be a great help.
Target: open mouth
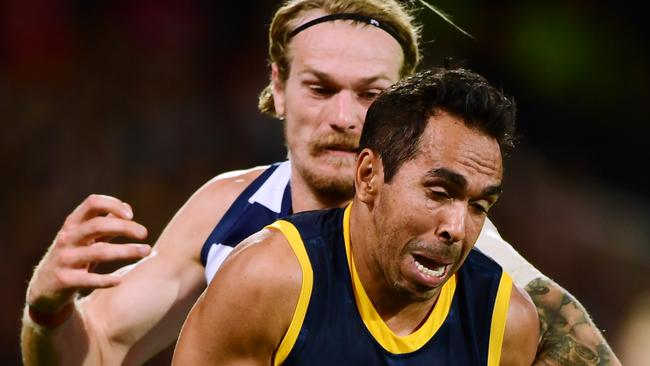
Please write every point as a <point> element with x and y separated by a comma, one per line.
<point>429,267</point>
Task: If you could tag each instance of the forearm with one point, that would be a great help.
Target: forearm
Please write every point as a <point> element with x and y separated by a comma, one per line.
<point>568,335</point>
<point>67,344</point>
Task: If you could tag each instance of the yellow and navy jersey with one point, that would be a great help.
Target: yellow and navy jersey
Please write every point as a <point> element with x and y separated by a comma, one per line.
<point>336,324</point>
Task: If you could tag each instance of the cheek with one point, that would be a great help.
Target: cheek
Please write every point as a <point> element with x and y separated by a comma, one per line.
<point>297,132</point>
<point>472,231</point>
<point>473,228</point>
<point>401,220</point>
<point>301,124</point>
<point>416,212</point>
<point>300,104</point>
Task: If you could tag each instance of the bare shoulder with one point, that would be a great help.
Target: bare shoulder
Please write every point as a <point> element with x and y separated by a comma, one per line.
<point>522,330</point>
<point>204,209</point>
<point>232,182</point>
<point>218,194</point>
<point>264,264</point>
<point>250,301</point>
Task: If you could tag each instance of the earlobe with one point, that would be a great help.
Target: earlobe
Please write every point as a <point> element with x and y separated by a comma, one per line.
<point>277,88</point>
<point>368,176</point>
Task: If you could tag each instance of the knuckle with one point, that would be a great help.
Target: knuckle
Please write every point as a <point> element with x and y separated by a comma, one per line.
<point>63,237</point>
<point>106,251</point>
<point>61,278</point>
<point>93,225</point>
<point>99,225</point>
<point>93,199</point>
<point>65,258</point>
<point>131,251</point>
<point>101,252</point>
<point>68,218</point>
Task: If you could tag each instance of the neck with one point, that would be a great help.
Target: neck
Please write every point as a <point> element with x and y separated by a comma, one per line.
<point>398,309</point>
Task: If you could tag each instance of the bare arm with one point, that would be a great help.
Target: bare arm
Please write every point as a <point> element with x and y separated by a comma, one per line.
<point>245,312</point>
<point>65,269</point>
<point>569,337</point>
<point>567,332</point>
<point>522,330</point>
<point>133,314</point>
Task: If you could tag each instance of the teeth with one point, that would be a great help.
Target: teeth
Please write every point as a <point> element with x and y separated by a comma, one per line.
<point>437,272</point>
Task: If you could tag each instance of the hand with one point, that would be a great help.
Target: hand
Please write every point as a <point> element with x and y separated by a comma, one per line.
<point>81,243</point>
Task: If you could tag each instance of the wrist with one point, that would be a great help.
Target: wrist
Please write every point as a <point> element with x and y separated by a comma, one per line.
<point>47,320</point>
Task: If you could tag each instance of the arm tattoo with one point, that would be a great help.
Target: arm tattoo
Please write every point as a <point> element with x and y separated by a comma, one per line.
<point>568,336</point>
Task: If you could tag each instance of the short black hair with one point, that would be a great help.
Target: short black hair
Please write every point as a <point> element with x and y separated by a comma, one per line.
<point>397,118</point>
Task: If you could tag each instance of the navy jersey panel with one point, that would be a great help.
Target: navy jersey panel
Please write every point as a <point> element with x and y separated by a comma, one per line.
<point>244,218</point>
<point>333,332</point>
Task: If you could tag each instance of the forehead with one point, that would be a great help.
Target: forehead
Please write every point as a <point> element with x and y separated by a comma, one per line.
<point>448,143</point>
<point>346,48</point>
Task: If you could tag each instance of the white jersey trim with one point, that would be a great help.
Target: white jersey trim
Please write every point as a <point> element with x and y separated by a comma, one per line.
<point>269,195</point>
<point>216,256</point>
<point>491,244</point>
<point>271,192</point>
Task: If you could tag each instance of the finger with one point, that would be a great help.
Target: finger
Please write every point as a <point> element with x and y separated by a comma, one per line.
<point>102,253</point>
<point>107,237</point>
<point>99,204</point>
<point>85,280</point>
<point>100,227</point>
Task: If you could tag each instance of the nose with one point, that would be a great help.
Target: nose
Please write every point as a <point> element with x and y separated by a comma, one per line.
<point>347,113</point>
<point>452,226</point>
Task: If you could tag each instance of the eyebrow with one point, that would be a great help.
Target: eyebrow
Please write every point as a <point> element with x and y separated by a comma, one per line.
<point>328,79</point>
<point>492,191</point>
<point>456,179</point>
<point>459,182</point>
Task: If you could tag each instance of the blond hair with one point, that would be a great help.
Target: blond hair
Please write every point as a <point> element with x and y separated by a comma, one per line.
<point>387,11</point>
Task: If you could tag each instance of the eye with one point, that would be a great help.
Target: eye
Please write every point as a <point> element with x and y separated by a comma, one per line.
<point>438,195</point>
<point>370,94</point>
<point>480,207</point>
<point>321,91</point>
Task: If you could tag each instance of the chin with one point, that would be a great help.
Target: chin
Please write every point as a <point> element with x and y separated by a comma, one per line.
<point>336,162</point>
<point>416,293</point>
<point>332,180</point>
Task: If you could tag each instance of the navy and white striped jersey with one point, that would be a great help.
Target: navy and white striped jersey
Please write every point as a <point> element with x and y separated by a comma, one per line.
<point>265,200</point>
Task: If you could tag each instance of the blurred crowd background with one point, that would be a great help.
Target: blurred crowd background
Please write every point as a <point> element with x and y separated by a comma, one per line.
<point>148,99</point>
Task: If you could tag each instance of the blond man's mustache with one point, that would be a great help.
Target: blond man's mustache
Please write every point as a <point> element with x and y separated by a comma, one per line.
<point>334,141</point>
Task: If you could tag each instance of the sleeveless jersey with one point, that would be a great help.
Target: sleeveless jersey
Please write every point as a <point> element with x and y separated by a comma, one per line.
<point>336,324</point>
<point>265,200</point>
<point>268,198</point>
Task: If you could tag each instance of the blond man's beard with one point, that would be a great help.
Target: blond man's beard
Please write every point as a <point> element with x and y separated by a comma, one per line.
<point>337,188</point>
<point>333,187</point>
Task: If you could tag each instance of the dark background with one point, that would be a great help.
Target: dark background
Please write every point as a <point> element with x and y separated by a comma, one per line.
<point>148,99</point>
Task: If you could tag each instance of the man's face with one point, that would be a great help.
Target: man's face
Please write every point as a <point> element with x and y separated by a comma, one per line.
<point>430,215</point>
<point>337,68</point>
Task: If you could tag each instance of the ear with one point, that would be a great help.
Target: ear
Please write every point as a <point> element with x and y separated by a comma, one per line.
<point>369,176</point>
<point>277,88</point>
